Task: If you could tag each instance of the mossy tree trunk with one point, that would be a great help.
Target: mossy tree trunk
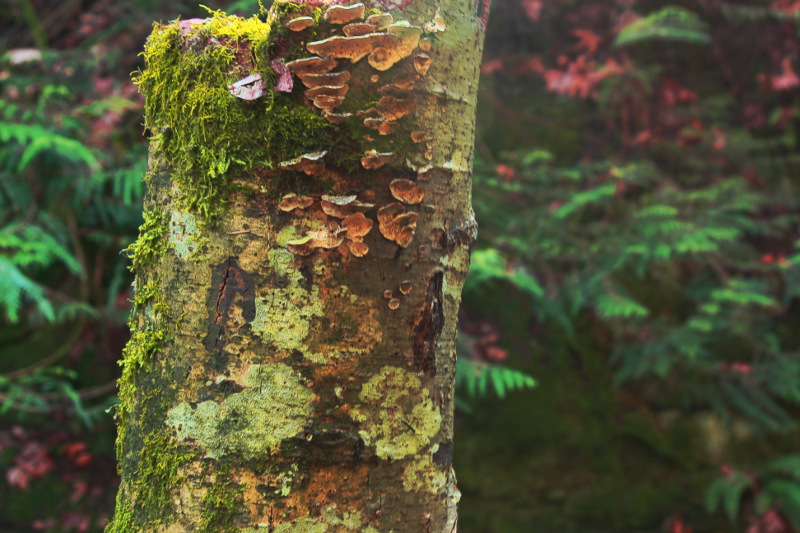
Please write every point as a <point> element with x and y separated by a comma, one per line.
<point>298,275</point>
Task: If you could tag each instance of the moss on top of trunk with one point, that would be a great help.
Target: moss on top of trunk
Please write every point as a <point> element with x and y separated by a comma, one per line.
<point>208,135</point>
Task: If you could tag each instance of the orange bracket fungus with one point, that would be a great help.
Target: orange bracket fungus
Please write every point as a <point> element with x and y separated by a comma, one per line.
<point>407,191</point>
<point>291,201</point>
<point>373,160</point>
<point>300,23</point>
<point>340,14</point>
<point>396,224</point>
<point>311,164</point>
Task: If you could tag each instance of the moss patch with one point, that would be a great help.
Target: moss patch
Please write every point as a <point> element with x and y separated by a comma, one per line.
<point>151,245</point>
<point>397,415</point>
<point>209,136</point>
<point>274,406</point>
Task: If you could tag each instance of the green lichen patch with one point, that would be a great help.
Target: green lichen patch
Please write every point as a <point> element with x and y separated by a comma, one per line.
<point>183,232</point>
<point>422,475</point>
<point>397,415</point>
<point>283,316</point>
<point>208,136</point>
<point>274,406</point>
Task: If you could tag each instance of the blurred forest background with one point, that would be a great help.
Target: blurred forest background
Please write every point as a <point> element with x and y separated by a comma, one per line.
<point>637,189</point>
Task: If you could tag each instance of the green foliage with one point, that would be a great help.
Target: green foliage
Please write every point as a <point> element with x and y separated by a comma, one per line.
<point>775,486</point>
<point>670,22</point>
<point>476,377</point>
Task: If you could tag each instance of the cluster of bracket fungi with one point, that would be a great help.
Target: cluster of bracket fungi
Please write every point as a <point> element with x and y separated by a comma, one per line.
<point>384,43</point>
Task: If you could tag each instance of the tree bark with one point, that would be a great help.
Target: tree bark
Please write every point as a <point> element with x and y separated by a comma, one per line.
<point>306,237</point>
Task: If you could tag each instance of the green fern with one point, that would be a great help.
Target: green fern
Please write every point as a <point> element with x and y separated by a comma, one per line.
<point>477,378</point>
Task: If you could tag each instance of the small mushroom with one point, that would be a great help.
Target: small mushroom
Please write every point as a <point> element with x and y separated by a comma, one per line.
<point>312,65</point>
<point>425,45</point>
<point>422,63</point>
<point>343,14</point>
<point>357,226</point>
<point>300,23</point>
<point>325,79</point>
<point>405,287</point>
<point>358,28</point>
<point>392,108</point>
<point>358,249</point>
<point>407,191</point>
<point>311,163</point>
<point>291,201</point>
<point>388,294</point>
<point>394,303</point>
<point>373,160</point>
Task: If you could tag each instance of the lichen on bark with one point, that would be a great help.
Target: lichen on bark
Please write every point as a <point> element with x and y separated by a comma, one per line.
<point>291,362</point>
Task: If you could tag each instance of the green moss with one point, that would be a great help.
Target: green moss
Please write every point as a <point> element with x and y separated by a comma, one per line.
<point>150,245</point>
<point>275,405</point>
<point>397,415</point>
<point>150,321</point>
<point>207,135</point>
<point>220,507</point>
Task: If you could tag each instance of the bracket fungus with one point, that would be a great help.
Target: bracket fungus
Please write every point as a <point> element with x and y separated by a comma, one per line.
<point>326,90</point>
<point>422,63</point>
<point>381,125</point>
<point>407,191</point>
<point>373,160</point>
<point>392,108</point>
<point>326,237</point>
<point>380,21</point>
<point>312,164</point>
<point>325,79</point>
<point>342,206</point>
<point>405,287</point>
<point>396,224</point>
<point>311,65</point>
<point>358,28</point>
<point>291,201</point>
<point>357,226</point>
<point>342,14</point>
<point>300,23</point>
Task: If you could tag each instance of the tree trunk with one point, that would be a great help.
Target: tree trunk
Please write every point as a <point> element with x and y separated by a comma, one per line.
<point>299,271</point>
